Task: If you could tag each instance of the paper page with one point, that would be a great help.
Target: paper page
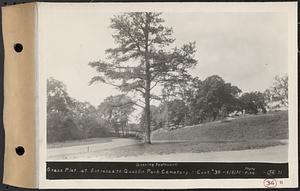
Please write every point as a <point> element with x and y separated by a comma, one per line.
<point>205,83</point>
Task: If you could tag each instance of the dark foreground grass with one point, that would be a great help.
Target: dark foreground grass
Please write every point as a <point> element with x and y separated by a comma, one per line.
<point>253,127</point>
<point>185,147</point>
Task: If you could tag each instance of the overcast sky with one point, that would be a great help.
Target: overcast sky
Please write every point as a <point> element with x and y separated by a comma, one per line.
<point>245,49</point>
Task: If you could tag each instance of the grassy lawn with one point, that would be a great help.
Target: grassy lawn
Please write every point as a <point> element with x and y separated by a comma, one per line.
<point>249,132</point>
<point>79,142</point>
<point>185,147</point>
<point>269,126</point>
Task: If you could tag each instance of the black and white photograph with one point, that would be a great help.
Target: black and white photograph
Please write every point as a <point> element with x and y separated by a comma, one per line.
<point>151,95</point>
<point>167,95</point>
<point>167,86</point>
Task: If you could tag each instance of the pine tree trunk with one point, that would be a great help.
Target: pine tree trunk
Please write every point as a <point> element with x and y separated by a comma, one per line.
<point>148,118</point>
<point>123,134</point>
<point>147,104</point>
<point>147,83</point>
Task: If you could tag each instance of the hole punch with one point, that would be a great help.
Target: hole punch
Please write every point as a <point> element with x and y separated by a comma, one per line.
<point>18,47</point>
<point>20,150</point>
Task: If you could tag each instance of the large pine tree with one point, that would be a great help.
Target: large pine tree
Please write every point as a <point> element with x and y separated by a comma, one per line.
<point>144,57</point>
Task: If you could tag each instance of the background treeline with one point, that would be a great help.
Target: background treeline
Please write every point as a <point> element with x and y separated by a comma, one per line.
<point>201,101</point>
<point>70,119</point>
<point>180,105</point>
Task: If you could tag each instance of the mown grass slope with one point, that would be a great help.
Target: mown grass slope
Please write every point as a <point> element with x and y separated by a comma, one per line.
<point>270,126</point>
<point>249,132</point>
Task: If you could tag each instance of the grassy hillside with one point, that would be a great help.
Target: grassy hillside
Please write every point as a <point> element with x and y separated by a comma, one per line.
<point>269,126</point>
<point>249,132</point>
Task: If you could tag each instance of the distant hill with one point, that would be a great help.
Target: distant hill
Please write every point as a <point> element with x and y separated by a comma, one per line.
<point>270,126</point>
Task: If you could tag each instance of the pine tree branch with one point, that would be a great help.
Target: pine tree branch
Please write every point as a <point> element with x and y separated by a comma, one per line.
<point>127,103</point>
<point>139,105</point>
<point>156,83</point>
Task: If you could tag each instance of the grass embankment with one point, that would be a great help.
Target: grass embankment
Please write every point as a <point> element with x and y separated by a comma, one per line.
<point>269,126</point>
<point>249,132</point>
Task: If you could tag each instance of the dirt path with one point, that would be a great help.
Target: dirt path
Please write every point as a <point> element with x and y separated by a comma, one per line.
<point>79,151</point>
<point>92,152</point>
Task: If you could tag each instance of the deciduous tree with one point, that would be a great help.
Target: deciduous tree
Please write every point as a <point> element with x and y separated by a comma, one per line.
<point>57,97</point>
<point>213,95</point>
<point>116,111</point>
<point>252,102</point>
<point>277,94</point>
